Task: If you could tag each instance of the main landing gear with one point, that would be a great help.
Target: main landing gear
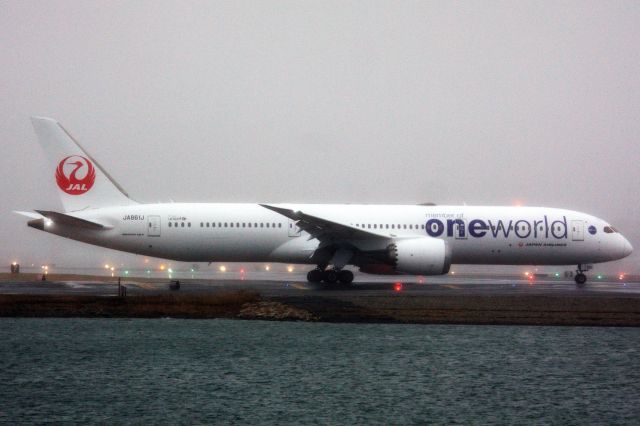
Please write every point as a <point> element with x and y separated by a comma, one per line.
<point>580,277</point>
<point>330,276</point>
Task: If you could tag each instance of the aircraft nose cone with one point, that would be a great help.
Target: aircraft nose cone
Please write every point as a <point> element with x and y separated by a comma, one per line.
<point>627,248</point>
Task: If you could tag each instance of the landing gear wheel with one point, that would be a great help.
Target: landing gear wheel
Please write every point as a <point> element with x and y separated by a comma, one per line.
<point>314,275</point>
<point>580,278</point>
<point>330,276</point>
<point>345,276</point>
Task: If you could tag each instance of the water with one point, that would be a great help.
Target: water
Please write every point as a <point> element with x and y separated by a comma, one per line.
<point>170,371</point>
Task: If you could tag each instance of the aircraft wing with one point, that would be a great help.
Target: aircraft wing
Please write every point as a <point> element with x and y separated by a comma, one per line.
<point>323,229</point>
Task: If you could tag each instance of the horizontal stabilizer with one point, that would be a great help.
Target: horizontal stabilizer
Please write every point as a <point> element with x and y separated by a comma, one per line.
<point>65,219</point>
<point>30,215</point>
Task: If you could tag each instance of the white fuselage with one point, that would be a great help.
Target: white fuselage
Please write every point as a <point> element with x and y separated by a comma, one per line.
<point>200,232</point>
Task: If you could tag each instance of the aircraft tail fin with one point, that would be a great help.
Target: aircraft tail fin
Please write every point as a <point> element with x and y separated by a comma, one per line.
<point>81,182</point>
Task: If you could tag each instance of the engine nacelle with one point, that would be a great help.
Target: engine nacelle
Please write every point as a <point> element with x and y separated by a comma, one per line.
<point>421,256</point>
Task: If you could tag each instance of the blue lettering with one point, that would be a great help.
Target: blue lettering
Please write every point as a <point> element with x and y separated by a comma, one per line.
<point>559,231</point>
<point>535,228</point>
<point>500,227</point>
<point>546,227</point>
<point>450,225</point>
<point>526,229</point>
<point>477,228</point>
<point>435,227</point>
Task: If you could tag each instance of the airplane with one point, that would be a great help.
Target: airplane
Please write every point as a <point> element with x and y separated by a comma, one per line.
<point>378,239</point>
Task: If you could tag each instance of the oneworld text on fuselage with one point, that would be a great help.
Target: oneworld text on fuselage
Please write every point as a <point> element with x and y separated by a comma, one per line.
<point>478,228</point>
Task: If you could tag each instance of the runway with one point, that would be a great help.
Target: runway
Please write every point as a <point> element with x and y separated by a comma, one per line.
<point>283,285</point>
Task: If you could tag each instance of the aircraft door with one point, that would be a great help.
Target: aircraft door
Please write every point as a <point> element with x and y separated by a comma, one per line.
<point>153,229</point>
<point>294,231</point>
<point>577,230</point>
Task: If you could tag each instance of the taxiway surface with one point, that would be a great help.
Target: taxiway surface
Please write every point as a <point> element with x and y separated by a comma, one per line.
<point>282,285</point>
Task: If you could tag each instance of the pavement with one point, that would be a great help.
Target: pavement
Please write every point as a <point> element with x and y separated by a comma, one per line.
<point>295,285</point>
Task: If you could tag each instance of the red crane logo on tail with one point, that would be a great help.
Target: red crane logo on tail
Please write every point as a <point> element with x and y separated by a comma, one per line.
<point>75,175</point>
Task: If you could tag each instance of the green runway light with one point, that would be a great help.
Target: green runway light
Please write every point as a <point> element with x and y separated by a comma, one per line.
<point>126,272</point>
<point>599,277</point>
<point>557,274</point>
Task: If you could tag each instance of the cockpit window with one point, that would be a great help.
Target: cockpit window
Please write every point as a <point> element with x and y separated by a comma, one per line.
<point>609,229</point>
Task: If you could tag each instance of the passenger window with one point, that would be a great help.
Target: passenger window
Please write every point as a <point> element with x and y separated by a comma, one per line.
<point>267,224</point>
<point>189,224</point>
<point>279,225</point>
<point>231,224</point>
<point>182,224</point>
<point>249,224</point>
<point>169,225</point>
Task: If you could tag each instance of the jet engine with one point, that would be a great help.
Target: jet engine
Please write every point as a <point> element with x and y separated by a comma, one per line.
<point>420,256</point>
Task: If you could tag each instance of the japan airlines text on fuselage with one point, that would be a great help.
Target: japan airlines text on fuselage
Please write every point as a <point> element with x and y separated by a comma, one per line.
<point>384,239</point>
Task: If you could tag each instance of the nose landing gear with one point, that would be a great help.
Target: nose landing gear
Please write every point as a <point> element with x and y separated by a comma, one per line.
<point>580,277</point>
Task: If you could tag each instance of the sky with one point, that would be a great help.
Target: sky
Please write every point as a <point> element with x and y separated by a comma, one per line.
<point>483,103</point>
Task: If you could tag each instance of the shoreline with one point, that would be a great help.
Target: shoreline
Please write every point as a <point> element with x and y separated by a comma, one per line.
<point>562,310</point>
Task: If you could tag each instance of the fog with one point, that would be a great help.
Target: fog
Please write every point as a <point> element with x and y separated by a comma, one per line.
<point>487,103</point>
